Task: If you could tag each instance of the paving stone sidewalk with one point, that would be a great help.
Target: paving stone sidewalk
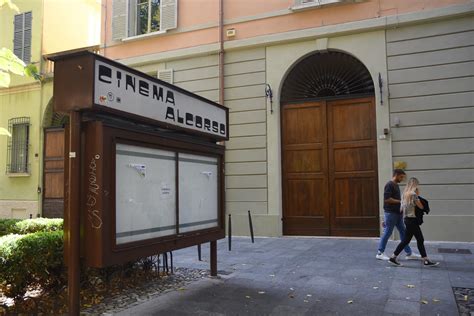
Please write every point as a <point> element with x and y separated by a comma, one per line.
<point>315,276</point>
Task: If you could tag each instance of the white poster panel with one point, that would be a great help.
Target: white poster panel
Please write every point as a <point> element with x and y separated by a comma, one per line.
<point>145,193</point>
<point>198,192</point>
<point>129,92</point>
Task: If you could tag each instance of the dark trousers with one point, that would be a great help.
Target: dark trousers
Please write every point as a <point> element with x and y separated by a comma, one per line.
<point>412,229</point>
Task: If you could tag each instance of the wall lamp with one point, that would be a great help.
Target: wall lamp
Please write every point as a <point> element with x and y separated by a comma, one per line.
<point>269,95</point>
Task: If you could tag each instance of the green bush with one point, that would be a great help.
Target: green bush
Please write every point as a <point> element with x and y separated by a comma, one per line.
<point>6,226</point>
<point>31,260</point>
<point>27,226</point>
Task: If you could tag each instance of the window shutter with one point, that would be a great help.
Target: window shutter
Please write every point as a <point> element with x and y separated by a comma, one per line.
<point>168,14</point>
<point>27,38</point>
<point>119,19</point>
<point>166,75</point>
<point>18,35</point>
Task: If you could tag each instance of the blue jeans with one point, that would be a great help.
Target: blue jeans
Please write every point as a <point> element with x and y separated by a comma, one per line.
<point>393,220</point>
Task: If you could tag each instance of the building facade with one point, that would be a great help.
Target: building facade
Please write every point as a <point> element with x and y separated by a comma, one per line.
<point>325,99</point>
<point>39,29</point>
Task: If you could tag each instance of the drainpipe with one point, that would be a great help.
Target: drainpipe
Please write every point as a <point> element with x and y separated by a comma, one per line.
<point>221,52</point>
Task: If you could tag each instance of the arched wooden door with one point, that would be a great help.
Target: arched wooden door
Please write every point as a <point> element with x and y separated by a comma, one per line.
<point>329,152</point>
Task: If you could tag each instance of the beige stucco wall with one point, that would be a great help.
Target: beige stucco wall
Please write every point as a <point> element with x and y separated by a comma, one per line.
<point>254,149</point>
<point>369,48</point>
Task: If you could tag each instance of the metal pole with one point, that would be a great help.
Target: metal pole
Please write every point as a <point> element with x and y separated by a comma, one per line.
<point>229,234</point>
<point>251,228</point>
<point>73,209</point>
<point>213,258</point>
<point>199,252</point>
<point>171,261</point>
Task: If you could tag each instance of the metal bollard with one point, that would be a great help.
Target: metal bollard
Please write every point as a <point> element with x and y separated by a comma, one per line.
<point>199,252</point>
<point>251,228</point>
<point>171,262</point>
<point>229,233</point>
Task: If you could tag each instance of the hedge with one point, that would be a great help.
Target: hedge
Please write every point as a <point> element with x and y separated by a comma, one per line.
<point>31,260</point>
<point>6,226</point>
<point>15,226</point>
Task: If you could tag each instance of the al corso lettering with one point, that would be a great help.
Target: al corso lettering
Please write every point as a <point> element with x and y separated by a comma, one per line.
<point>131,83</point>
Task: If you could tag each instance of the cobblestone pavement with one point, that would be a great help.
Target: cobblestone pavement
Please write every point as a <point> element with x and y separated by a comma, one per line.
<point>315,276</point>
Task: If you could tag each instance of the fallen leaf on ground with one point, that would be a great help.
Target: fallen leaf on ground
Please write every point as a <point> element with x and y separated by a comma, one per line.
<point>435,300</point>
<point>410,286</point>
<point>376,287</point>
<point>306,301</point>
<point>424,302</point>
<point>272,275</point>
<point>465,298</point>
<point>292,289</point>
<point>181,289</point>
<point>291,296</point>
<point>246,296</point>
<point>309,295</point>
<point>261,292</point>
<point>350,302</point>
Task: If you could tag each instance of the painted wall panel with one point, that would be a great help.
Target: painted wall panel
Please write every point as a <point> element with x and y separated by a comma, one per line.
<point>245,155</point>
<point>248,117</point>
<point>246,195</point>
<point>439,57</point>
<point>434,132</point>
<point>430,29</point>
<point>244,92</point>
<point>259,181</point>
<point>452,85</point>
<point>443,101</point>
<point>244,168</point>
<point>437,162</point>
<point>193,63</point>
<point>431,75</point>
<point>244,79</point>
<point>246,142</point>
<point>249,130</point>
<point>196,74</point>
<point>245,55</point>
<point>433,147</point>
<point>431,43</point>
<point>431,117</point>
<point>447,176</point>
<point>246,104</point>
<point>244,207</point>
<point>244,67</point>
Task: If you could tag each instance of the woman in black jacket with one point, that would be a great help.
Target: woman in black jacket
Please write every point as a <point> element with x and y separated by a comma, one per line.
<point>409,205</point>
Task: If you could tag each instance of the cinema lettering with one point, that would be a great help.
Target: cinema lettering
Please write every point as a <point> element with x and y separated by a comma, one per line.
<point>145,166</point>
<point>149,97</point>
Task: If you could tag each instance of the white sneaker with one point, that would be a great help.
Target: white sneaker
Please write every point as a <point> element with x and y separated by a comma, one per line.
<point>382,256</point>
<point>413,256</point>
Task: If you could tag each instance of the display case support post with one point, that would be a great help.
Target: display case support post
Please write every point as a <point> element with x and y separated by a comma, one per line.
<point>73,209</point>
<point>213,258</point>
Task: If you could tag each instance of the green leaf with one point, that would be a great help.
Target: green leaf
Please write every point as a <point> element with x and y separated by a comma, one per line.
<point>32,71</point>
<point>10,62</point>
<point>4,79</point>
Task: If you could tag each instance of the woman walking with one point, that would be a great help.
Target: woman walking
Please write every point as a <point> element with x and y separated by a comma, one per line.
<point>410,201</point>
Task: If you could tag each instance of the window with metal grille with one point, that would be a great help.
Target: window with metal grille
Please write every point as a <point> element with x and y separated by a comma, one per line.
<point>327,75</point>
<point>22,36</point>
<point>17,151</point>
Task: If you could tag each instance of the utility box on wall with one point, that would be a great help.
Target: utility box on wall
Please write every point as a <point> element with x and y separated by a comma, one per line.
<point>152,172</point>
